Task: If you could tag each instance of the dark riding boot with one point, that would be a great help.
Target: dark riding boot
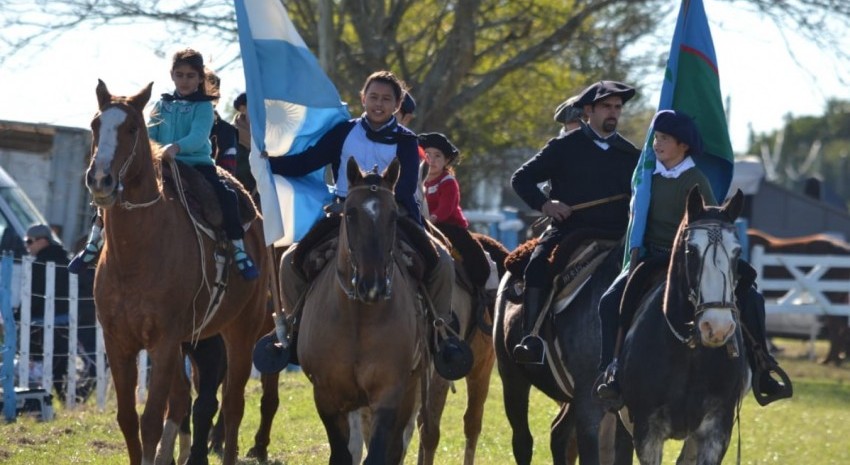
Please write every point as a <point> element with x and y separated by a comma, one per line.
<point>765,388</point>
<point>90,252</point>
<point>531,349</point>
<point>608,387</point>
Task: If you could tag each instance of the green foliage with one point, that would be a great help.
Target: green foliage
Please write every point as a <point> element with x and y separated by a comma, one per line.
<point>810,428</point>
<point>811,146</point>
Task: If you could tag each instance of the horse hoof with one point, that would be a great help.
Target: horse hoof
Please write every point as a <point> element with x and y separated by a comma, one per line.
<point>259,453</point>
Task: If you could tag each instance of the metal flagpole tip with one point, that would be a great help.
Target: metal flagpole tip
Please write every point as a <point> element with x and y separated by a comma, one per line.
<point>269,354</point>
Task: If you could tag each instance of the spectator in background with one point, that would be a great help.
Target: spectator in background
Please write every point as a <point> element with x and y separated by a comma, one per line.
<point>223,136</point>
<point>569,114</point>
<point>243,147</point>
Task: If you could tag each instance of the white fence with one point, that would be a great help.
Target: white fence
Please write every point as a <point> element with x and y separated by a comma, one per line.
<point>803,299</point>
<point>86,364</point>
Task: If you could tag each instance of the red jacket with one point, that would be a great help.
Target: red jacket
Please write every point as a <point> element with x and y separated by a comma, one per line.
<point>443,197</point>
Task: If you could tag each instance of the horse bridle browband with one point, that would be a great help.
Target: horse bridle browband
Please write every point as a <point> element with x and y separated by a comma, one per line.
<point>350,290</point>
<point>715,241</point>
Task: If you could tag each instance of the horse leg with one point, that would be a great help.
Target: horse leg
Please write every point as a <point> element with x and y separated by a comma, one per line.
<point>429,428</point>
<point>712,439</point>
<point>124,376</point>
<point>560,434</point>
<point>649,444</point>
<point>179,399</point>
<point>207,355</point>
<point>238,348</point>
<point>478,387</point>
<point>515,395</point>
<point>688,454</point>
<point>337,429</point>
<point>165,362</point>
<point>268,408</point>
<point>390,417</point>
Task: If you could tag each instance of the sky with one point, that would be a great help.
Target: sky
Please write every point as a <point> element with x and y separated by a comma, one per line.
<point>763,81</point>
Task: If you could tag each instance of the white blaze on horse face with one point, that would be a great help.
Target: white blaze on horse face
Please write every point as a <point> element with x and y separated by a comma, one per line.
<point>716,283</point>
<point>373,208</point>
<point>107,142</point>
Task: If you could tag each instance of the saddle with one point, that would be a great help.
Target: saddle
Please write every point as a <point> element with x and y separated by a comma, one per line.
<point>646,275</point>
<point>469,253</point>
<point>319,245</point>
<point>200,195</point>
<point>561,257</point>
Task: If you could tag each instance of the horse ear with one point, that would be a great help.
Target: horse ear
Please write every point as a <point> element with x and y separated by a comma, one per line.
<point>734,205</point>
<point>392,171</point>
<point>695,203</point>
<point>139,100</point>
<point>352,170</point>
<point>103,95</point>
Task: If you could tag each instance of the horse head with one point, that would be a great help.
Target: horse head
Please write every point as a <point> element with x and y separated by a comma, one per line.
<point>703,270</point>
<point>368,230</point>
<point>116,132</point>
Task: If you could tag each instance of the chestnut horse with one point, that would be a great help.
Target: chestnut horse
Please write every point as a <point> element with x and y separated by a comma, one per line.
<point>478,378</point>
<point>362,337</point>
<point>837,329</point>
<point>154,280</point>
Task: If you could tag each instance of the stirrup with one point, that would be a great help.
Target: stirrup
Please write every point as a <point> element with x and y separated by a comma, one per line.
<point>530,350</point>
<point>246,265</point>
<point>786,389</point>
<point>82,260</point>
<point>606,389</point>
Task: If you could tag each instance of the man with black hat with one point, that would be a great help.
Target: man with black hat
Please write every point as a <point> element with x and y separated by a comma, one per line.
<point>594,163</point>
<point>569,114</point>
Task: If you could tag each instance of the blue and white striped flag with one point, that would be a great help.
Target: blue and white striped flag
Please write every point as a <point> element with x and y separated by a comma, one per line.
<point>291,104</point>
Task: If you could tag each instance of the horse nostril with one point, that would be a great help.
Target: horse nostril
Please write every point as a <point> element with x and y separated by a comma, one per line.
<point>107,181</point>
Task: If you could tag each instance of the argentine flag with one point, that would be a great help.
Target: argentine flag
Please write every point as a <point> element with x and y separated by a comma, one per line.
<point>291,104</point>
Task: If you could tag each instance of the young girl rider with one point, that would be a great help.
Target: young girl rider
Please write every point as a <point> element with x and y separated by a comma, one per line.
<point>181,123</point>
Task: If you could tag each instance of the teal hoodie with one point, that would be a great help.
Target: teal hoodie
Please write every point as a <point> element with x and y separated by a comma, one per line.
<point>187,124</point>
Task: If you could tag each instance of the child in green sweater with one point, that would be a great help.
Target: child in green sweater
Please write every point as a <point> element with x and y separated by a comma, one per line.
<point>676,139</point>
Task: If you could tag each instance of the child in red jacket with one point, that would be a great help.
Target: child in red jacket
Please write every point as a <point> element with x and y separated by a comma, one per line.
<point>442,191</point>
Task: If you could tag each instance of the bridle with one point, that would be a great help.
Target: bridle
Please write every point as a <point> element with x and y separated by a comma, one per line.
<point>714,230</point>
<point>125,204</point>
<point>350,289</point>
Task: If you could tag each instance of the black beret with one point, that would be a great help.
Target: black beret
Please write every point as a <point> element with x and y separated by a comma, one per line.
<point>408,105</point>
<point>241,99</point>
<point>439,141</point>
<point>604,89</point>
<point>568,110</point>
<point>681,126</point>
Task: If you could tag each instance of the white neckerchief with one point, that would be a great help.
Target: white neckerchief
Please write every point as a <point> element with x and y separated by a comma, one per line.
<point>675,171</point>
<point>601,141</point>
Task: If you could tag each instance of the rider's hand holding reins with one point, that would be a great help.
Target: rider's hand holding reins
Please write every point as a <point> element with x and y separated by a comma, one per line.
<point>557,210</point>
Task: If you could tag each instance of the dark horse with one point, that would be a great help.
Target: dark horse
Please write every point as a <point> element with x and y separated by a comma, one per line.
<point>683,368</point>
<point>362,340</point>
<point>578,337</point>
<point>154,279</point>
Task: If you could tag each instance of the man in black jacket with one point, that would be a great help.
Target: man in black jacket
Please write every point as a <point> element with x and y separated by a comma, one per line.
<point>592,162</point>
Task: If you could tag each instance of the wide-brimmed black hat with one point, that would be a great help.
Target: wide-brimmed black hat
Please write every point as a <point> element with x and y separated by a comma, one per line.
<point>604,89</point>
<point>568,110</point>
<point>439,141</point>
<point>681,126</point>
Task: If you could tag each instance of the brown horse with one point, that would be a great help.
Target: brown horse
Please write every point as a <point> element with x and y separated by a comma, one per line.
<point>837,329</point>
<point>154,278</point>
<point>478,379</point>
<point>362,334</point>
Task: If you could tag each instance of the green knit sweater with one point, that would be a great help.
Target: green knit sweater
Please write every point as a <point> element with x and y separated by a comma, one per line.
<point>667,205</point>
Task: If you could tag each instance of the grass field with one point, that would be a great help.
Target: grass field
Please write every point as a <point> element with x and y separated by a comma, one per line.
<point>811,428</point>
